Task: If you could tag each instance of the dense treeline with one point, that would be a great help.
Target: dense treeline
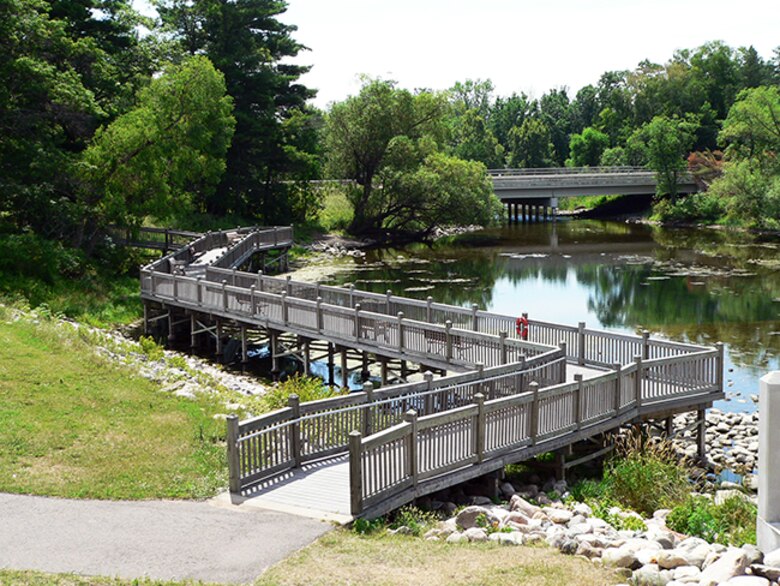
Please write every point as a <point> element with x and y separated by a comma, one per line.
<point>197,118</point>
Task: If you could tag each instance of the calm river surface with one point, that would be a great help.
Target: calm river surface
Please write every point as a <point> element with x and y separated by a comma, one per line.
<point>691,285</point>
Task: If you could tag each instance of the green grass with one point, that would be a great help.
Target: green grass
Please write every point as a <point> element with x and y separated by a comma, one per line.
<point>588,202</point>
<point>74,425</point>
<point>31,578</point>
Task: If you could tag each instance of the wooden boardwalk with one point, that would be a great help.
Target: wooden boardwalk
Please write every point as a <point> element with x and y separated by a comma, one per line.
<point>499,398</point>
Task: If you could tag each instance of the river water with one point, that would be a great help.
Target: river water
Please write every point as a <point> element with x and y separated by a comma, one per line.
<point>697,285</point>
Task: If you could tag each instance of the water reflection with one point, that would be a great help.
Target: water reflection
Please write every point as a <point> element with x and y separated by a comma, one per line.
<point>697,285</point>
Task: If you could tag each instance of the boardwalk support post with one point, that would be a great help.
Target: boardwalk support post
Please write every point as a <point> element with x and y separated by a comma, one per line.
<point>410,417</point>
<point>355,474</point>
<point>701,434</point>
<point>719,366</point>
<point>233,456</point>
<point>768,522</point>
<point>479,431</point>
<point>581,343</point>
<point>294,403</point>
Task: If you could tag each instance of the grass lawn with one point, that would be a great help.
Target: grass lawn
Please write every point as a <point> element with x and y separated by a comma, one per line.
<point>343,557</point>
<point>73,425</point>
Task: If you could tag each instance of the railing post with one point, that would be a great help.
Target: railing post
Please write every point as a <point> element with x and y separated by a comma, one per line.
<point>474,317</point>
<point>578,401</point>
<point>719,366</point>
<point>294,403</point>
<point>428,378</point>
<point>276,235</point>
<point>289,285</point>
<point>616,367</point>
<point>528,335</point>
<point>502,346</point>
<point>368,414</point>
<point>448,339</point>
<point>151,282</point>
<point>429,309</point>
<point>638,379</point>
<point>175,286</point>
<point>351,295</point>
<point>198,286</point>
<point>410,417</point>
<point>355,473</point>
<point>357,321</point>
<point>645,345</point>
<point>562,370</point>
<point>284,307</point>
<point>319,314</point>
<point>388,295</point>
<point>224,296</point>
<point>401,331</point>
<point>479,431</point>
<point>253,300</point>
<point>234,463</point>
<point>260,280</point>
<point>233,276</point>
<point>581,343</point>
<point>534,431</point>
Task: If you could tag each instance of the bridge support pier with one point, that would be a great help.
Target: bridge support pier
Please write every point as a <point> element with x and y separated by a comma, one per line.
<point>383,367</point>
<point>273,341</point>
<point>344,369</point>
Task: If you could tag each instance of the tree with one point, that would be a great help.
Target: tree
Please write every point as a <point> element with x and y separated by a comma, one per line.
<point>152,160</point>
<point>507,113</point>
<point>530,145</point>
<point>752,127</point>
<point>666,143</point>
<point>586,148</point>
<point>387,140</point>
<point>65,69</point>
<point>251,47</point>
<point>472,140</point>
<point>554,111</point>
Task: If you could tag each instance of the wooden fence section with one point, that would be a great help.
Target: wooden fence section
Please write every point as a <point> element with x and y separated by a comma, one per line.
<point>425,453</point>
<point>284,439</point>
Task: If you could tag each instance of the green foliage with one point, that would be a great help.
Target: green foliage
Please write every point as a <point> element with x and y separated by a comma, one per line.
<point>368,526</point>
<point>417,520</point>
<point>752,127</point>
<point>307,388</point>
<point>731,523</point>
<point>388,141</point>
<point>750,194</point>
<point>151,349</point>
<point>613,157</point>
<point>151,160</point>
<point>645,475</point>
<point>276,133</point>
<point>530,145</point>
<point>586,490</point>
<point>585,149</point>
<point>706,206</point>
<point>336,213</point>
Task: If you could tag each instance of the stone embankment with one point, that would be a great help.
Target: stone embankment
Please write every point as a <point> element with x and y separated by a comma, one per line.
<point>650,555</point>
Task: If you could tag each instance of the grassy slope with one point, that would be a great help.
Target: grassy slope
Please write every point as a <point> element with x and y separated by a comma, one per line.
<point>342,557</point>
<point>73,425</point>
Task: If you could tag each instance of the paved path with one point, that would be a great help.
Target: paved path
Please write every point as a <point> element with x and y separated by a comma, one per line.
<point>165,540</point>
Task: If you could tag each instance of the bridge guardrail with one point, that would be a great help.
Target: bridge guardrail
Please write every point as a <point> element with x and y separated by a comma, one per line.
<point>567,171</point>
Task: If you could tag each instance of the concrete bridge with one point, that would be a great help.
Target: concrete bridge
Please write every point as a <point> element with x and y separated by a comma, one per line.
<point>534,193</point>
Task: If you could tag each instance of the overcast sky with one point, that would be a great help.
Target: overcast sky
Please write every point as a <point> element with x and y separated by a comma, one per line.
<point>521,45</point>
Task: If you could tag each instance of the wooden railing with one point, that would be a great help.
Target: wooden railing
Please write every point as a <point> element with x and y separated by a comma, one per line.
<point>463,442</point>
<point>266,445</point>
<point>256,241</point>
<point>155,238</point>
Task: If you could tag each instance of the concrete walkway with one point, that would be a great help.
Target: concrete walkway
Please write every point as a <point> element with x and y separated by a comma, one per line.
<point>164,540</point>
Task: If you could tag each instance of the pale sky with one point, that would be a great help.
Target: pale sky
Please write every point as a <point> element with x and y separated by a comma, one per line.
<point>521,45</point>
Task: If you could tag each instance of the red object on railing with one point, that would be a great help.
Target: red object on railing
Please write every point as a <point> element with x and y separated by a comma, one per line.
<point>521,326</point>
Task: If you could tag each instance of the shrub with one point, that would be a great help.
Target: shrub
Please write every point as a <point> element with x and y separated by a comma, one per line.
<point>645,476</point>
<point>731,523</point>
<point>306,387</point>
<point>151,349</point>
<point>587,489</point>
<point>367,526</point>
